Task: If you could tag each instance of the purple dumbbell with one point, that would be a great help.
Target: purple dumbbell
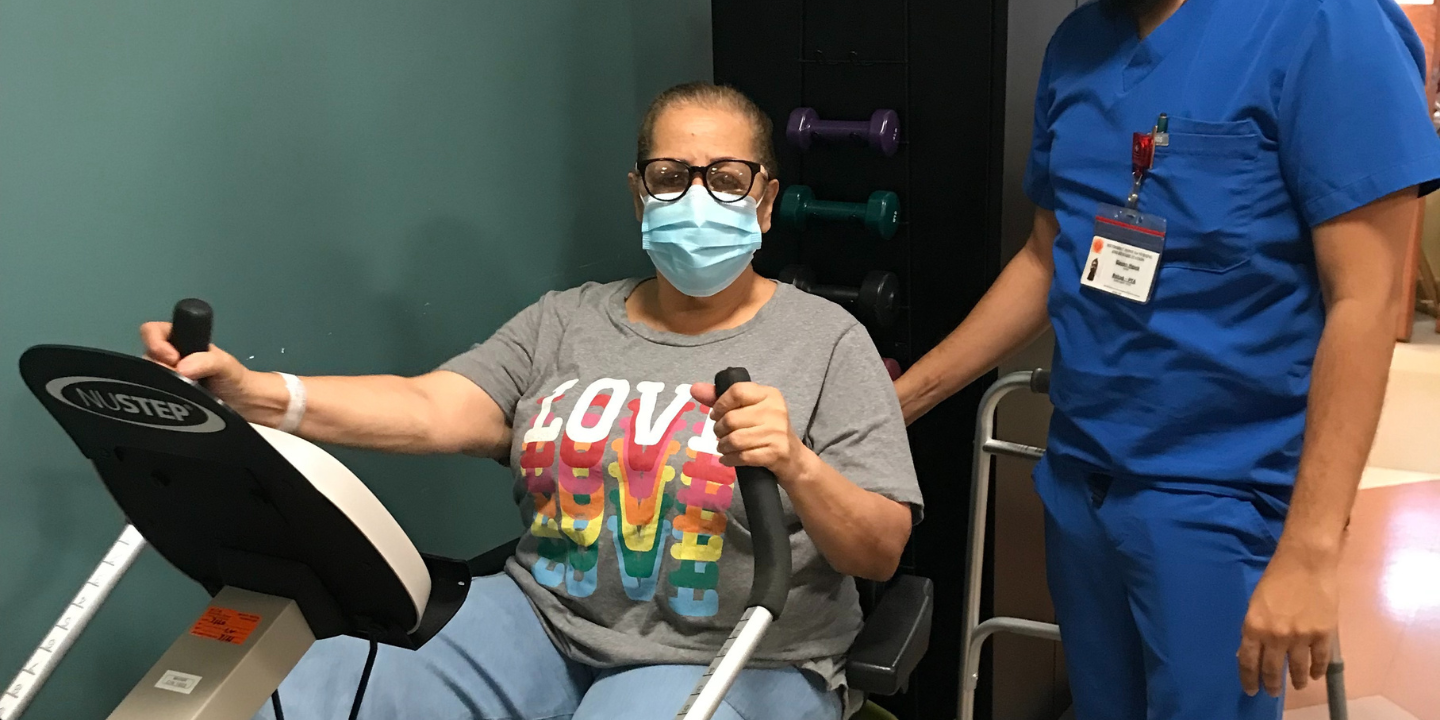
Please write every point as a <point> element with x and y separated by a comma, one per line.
<point>881,132</point>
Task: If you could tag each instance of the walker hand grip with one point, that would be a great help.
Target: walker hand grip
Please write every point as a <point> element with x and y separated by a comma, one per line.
<point>761,495</point>
<point>191,326</point>
<point>1040,382</point>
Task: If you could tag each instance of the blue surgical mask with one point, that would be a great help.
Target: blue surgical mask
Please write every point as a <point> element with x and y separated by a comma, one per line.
<point>698,243</point>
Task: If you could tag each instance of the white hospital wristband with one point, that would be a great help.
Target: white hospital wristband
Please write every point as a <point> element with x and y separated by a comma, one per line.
<point>295,409</point>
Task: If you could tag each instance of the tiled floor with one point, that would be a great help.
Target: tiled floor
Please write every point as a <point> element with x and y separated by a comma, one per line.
<point>1390,603</point>
<point>1390,574</point>
<point>1370,708</point>
<point>1385,477</point>
<point>1406,437</point>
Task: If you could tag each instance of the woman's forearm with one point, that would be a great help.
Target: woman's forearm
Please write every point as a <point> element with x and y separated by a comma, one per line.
<point>859,532</point>
<point>436,413</point>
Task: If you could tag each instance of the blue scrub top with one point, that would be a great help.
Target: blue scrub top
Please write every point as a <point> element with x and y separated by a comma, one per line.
<point>1283,114</point>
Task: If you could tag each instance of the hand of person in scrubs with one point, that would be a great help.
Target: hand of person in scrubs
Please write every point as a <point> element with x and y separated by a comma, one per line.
<point>1293,611</point>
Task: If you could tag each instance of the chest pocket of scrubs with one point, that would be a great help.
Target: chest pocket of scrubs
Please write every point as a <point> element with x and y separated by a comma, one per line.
<point>1203,183</point>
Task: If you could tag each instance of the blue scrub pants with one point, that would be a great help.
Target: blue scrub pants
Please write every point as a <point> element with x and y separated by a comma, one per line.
<point>1151,584</point>
<point>493,661</point>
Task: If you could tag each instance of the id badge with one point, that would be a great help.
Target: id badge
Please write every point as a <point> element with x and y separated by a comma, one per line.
<point>1125,253</point>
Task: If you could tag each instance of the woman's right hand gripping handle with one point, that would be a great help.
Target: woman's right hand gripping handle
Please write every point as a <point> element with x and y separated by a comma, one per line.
<point>221,372</point>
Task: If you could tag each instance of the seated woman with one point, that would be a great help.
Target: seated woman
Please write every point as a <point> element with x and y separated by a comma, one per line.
<point>636,563</point>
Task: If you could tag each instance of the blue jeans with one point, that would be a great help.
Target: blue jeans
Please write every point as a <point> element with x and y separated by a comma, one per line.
<point>1151,585</point>
<point>493,661</point>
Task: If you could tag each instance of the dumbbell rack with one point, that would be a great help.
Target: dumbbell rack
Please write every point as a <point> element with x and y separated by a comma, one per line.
<point>892,343</point>
<point>941,67</point>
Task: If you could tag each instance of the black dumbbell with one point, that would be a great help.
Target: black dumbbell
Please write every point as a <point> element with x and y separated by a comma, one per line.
<point>873,302</point>
<point>881,131</point>
<point>881,214</point>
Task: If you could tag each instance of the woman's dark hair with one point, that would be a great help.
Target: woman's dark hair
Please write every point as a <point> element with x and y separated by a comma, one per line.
<point>709,95</point>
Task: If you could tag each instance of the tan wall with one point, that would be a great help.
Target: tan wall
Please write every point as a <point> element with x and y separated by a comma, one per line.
<point>1426,19</point>
<point>1430,236</point>
<point>1028,678</point>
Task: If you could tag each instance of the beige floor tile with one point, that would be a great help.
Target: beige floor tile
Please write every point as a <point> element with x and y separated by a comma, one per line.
<point>1389,597</point>
<point>1405,439</point>
<point>1373,477</point>
<point>1365,708</point>
<point>1414,680</point>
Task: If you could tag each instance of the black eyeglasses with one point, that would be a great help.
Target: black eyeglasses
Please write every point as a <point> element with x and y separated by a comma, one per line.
<point>727,180</point>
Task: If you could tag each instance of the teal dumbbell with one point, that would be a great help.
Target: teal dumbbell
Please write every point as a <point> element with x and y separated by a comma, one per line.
<point>881,214</point>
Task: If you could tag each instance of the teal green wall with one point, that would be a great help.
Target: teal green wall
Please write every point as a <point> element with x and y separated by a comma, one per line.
<point>355,186</point>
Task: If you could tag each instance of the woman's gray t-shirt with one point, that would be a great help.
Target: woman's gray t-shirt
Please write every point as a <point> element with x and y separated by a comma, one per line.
<point>637,550</point>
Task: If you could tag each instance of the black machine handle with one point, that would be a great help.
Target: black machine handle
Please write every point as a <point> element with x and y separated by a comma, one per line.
<point>191,326</point>
<point>1040,382</point>
<point>767,521</point>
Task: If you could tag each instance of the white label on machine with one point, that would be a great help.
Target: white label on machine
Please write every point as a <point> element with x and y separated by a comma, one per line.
<point>179,682</point>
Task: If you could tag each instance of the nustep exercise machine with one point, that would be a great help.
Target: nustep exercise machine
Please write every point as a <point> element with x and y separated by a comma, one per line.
<point>290,545</point>
<point>293,548</point>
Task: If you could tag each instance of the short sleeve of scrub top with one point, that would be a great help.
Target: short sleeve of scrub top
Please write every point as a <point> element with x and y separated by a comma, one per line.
<point>1346,139</point>
<point>1037,169</point>
<point>1282,114</point>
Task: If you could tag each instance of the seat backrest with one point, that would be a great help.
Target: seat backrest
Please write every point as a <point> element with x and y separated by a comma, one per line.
<point>870,592</point>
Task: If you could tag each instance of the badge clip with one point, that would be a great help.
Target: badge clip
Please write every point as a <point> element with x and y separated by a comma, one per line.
<point>1142,156</point>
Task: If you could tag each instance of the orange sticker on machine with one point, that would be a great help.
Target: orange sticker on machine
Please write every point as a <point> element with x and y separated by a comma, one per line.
<point>225,625</point>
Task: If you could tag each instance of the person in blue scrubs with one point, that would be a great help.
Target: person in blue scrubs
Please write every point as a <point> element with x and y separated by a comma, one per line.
<point>1210,428</point>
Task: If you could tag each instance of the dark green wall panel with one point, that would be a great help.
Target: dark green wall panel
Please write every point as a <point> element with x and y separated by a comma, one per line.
<point>355,186</point>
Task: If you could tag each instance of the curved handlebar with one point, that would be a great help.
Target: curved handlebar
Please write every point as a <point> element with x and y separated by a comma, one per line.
<point>767,521</point>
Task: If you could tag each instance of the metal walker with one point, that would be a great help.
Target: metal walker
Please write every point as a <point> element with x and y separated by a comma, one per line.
<point>977,632</point>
